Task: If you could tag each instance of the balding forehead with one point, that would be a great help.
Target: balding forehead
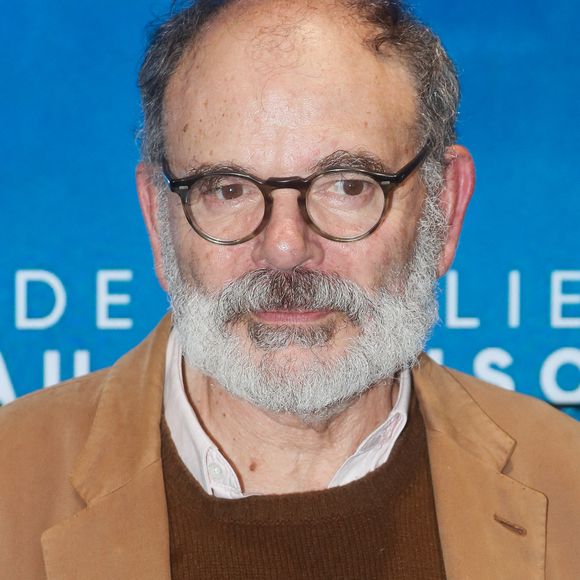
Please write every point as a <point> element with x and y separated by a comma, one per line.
<point>312,50</point>
<point>281,11</point>
<point>280,30</point>
<point>266,86</point>
<point>277,35</point>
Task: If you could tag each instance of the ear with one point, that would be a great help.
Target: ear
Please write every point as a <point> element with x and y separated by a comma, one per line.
<point>148,200</point>
<point>455,196</point>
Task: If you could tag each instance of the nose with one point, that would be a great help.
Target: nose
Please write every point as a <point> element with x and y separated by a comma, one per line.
<point>287,241</point>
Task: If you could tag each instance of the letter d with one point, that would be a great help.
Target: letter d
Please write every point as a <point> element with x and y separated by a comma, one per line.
<point>23,320</point>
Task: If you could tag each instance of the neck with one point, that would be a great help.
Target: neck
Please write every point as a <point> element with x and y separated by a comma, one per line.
<point>281,453</point>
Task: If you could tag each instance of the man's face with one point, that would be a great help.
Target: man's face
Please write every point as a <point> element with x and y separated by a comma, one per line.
<point>276,95</point>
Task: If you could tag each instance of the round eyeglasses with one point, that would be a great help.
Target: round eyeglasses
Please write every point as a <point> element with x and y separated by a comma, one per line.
<point>341,204</point>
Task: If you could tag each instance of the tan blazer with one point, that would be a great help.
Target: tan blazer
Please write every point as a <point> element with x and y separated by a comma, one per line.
<point>82,497</point>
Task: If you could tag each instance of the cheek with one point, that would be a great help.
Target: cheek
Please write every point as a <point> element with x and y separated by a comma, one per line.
<point>369,262</point>
<point>209,265</point>
<point>204,264</point>
<point>221,264</point>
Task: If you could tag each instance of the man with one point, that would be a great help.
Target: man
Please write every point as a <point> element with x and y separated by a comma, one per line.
<point>283,423</point>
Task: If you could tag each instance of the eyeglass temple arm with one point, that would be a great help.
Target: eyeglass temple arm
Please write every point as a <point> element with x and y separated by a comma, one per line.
<point>400,176</point>
<point>169,177</point>
<point>176,185</point>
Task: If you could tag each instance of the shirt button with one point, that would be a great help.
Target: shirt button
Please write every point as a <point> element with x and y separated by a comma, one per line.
<point>215,471</point>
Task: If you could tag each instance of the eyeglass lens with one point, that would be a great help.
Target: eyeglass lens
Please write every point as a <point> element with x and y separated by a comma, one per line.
<point>344,205</point>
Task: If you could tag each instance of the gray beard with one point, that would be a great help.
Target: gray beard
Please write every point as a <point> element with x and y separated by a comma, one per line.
<point>294,369</point>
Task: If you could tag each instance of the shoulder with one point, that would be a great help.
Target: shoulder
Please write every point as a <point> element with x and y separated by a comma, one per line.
<point>467,408</point>
<point>49,427</point>
<point>520,415</point>
<point>73,400</point>
<point>547,441</point>
<point>41,436</point>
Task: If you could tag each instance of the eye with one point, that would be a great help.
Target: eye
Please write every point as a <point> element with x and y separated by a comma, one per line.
<point>347,190</point>
<point>350,186</point>
<point>222,188</point>
<point>347,185</point>
<point>225,193</point>
<point>230,191</point>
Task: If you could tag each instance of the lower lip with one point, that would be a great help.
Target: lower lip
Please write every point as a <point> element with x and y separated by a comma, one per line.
<point>291,317</point>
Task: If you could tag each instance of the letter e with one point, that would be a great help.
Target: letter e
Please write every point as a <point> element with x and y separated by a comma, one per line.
<point>559,299</point>
<point>105,299</point>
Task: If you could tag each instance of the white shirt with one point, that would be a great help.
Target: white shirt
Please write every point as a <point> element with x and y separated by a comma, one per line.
<point>213,471</point>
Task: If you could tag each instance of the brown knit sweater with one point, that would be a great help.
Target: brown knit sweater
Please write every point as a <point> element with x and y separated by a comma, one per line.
<point>381,526</point>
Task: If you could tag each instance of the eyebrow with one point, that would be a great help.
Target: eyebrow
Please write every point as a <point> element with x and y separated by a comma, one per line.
<point>341,159</point>
<point>206,168</point>
<point>359,159</point>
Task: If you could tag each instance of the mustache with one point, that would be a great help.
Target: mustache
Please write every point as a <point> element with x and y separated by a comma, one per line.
<point>300,289</point>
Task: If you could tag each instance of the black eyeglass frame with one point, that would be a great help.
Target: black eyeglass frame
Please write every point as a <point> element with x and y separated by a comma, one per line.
<point>387,181</point>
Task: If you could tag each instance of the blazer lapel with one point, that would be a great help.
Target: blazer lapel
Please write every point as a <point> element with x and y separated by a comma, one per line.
<point>123,531</point>
<point>125,535</point>
<point>491,526</point>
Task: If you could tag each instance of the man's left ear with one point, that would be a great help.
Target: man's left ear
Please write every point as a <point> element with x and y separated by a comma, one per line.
<point>454,199</point>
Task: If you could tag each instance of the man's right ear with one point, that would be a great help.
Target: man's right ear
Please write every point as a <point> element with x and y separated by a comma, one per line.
<point>149,200</point>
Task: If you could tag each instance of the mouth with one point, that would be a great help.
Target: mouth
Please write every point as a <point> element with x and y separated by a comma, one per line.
<point>287,317</point>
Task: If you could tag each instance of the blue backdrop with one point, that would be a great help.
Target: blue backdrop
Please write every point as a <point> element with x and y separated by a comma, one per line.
<point>76,281</point>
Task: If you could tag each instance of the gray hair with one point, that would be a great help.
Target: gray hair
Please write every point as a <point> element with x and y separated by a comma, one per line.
<point>396,31</point>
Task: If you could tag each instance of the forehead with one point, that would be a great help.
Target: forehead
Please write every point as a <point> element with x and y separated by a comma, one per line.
<point>278,89</point>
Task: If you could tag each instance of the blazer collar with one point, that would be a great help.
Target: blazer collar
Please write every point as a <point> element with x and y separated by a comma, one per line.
<point>490,525</point>
<point>449,409</point>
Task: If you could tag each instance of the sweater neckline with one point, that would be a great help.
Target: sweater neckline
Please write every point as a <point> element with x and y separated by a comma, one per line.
<point>383,485</point>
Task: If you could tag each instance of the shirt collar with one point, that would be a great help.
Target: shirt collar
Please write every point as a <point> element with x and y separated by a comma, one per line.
<point>212,470</point>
